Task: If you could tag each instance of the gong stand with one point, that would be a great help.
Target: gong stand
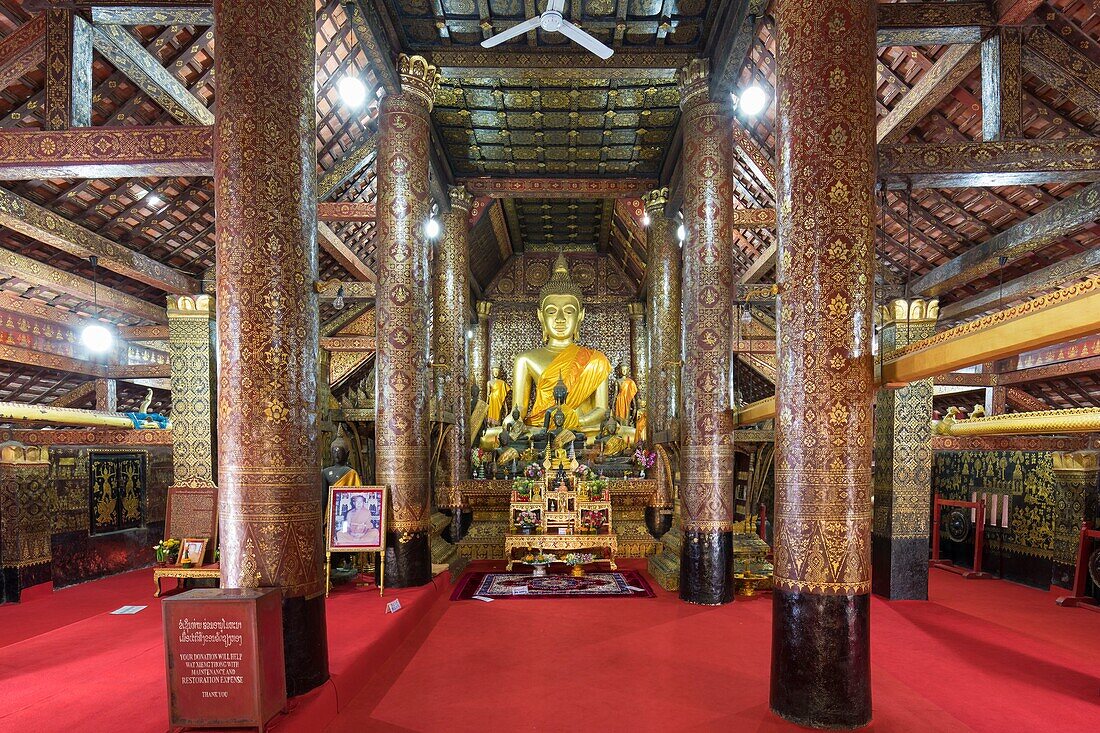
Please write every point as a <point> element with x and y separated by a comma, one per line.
<point>1090,538</point>
<point>979,539</point>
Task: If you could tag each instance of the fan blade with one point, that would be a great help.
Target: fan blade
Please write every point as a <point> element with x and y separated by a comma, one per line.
<point>575,34</point>
<point>517,30</point>
<point>558,5</point>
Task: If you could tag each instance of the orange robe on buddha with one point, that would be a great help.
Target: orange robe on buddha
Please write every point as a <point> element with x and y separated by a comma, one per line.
<point>628,388</point>
<point>582,370</point>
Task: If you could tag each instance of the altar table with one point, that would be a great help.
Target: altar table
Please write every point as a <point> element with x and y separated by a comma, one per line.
<point>212,570</point>
<point>561,542</point>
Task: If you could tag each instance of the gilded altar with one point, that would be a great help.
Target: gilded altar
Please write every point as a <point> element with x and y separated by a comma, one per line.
<point>490,503</point>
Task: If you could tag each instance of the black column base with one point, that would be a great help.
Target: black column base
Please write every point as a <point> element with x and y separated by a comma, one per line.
<point>658,520</point>
<point>408,563</point>
<point>821,659</point>
<point>9,585</point>
<point>305,644</point>
<point>900,568</point>
<point>706,567</point>
<point>459,526</point>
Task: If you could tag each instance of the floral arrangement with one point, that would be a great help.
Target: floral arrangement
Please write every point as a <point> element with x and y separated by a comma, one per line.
<point>592,521</point>
<point>540,559</point>
<point>533,471</point>
<point>524,487</point>
<point>167,550</point>
<point>528,519</point>
<point>597,488</point>
<point>645,458</point>
<point>479,457</point>
<point>578,558</point>
<point>582,471</point>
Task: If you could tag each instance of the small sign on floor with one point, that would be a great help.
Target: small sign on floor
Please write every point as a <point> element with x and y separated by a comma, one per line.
<point>487,599</point>
<point>127,610</point>
<point>520,590</point>
<point>393,606</point>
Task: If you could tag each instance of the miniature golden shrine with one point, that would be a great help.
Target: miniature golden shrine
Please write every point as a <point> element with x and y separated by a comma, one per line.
<point>565,508</point>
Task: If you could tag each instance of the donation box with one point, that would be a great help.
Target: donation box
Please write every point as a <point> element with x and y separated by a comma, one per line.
<point>225,657</point>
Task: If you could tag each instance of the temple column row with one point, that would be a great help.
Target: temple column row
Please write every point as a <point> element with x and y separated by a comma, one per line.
<point>403,306</point>
<point>267,318</point>
<point>825,385</point>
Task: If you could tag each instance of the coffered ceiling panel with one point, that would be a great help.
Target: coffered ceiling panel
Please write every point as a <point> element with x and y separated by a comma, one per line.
<point>580,127</point>
<point>559,224</point>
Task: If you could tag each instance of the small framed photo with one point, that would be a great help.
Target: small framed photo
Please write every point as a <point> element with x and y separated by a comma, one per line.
<point>356,519</point>
<point>193,550</point>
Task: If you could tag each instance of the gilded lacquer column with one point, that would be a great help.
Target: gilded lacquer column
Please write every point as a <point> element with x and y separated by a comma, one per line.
<point>825,191</point>
<point>402,367</point>
<point>706,454</point>
<point>479,348</point>
<point>451,306</point>
<point>191,336</point>
<point>663,328</point>
<point>266,209</point>
<point>903,462</point>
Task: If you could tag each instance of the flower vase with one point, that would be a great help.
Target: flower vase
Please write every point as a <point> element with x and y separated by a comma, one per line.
<point>578,571</point>
<point>641,474</point>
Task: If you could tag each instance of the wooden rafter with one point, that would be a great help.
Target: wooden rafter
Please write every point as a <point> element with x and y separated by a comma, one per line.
<point>560,188</point>
<point>735,36</point>
<point>149,14</point>
<point>68,101</point>
<point>1061,66</point>
<point>1050,371</point>
<point>1005,163</point>
<point>345,211</point>
<point>1002,85</point>
<point>521,65</point>
<point>52,229</point>
<point>1011,12</point>
<point>141,67</point>
<point>59,281</point>
<point>22,51</point>
<point>956,63</point>
<point>1029,235</point>
<point>932,23</point>
<point>350,164</point>
<point>106,152</point>
<point>329,241</point>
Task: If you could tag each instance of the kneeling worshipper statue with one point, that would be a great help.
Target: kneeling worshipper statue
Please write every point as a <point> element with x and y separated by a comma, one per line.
<point>581,370</point>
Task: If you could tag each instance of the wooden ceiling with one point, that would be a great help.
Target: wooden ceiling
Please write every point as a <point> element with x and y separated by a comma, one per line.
<point>537,106</point>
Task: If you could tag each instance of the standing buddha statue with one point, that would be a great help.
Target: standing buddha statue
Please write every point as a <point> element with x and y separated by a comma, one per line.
<point>583,371</point>
<point>498,392</point>
<point>626,390</point>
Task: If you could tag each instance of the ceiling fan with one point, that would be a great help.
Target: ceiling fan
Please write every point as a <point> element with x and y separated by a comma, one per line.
<point>552,21</point>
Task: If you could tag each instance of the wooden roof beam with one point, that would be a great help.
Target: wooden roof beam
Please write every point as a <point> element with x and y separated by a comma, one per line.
<point>1013,12</point>
<point>560,188</point>
<point>106,152</point>
<point>1004,163</point>
<point>1051,277</point>
<point>735,36</point>
<point>932,23</point>
<point>43,225</point>
<point>1002,86</point>
<point>518,64</point>
<point>57,280</point>
<point>956,63</point>
<point>147,13</point>
<point>124,52</point>
<point>1032,234</point>
<point>1061,66</point>
<point>331,243</point>
<point>22,51</point>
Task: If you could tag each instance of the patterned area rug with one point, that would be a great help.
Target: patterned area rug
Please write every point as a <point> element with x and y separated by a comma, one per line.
<point>620,584</point>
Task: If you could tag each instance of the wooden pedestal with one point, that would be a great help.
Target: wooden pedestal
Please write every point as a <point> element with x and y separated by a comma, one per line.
<point>225,657</point>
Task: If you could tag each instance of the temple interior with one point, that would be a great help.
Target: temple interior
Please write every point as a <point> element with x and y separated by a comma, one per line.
<point>695,333</point>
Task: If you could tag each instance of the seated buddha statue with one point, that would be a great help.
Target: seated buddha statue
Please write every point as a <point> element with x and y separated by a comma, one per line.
<point>583,371</point>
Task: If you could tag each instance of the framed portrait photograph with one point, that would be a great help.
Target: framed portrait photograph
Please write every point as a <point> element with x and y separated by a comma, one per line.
<point>356,519</point>
<point>193,549</point>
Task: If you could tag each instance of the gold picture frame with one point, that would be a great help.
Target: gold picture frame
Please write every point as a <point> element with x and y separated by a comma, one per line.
<point>193,548</point>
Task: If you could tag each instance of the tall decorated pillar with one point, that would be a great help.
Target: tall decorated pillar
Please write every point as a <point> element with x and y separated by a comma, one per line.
<point>402,363</point>
<point>452,304</point>
<point>639,353</point>
<point>479,348</point>
<point>903,462</point>
<point>663,310</point>
<point>706,452</point>
<point>825,190</point>
<point>191,336</point>
<point>266,210</point>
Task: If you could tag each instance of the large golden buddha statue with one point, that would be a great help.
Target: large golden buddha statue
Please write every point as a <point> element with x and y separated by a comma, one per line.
<point>584,371</point>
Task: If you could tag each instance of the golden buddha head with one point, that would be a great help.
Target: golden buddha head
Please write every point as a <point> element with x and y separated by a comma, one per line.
<point>560,307</point>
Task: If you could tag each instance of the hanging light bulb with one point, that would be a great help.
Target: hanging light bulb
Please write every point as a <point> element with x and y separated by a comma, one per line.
<point>338,301</point>
<point>431,228</point>
<point>681,233</point>
<point>352,91</point>
<point>96,337</point>
<point>753,100</point>
<point>645,219</point>
<point>469,333</point>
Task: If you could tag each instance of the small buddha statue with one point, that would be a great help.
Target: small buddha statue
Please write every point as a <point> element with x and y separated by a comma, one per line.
<point>581,370</point>
<point>339,473</point>
<point>497,390</point>
<point>625,391</point>
<point>611,442</point>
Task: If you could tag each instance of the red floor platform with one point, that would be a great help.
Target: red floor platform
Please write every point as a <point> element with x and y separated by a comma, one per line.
<point>979,656</point>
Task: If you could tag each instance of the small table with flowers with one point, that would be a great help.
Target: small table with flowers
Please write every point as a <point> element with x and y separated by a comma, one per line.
<point>560,543</point>
<point>181,573</point>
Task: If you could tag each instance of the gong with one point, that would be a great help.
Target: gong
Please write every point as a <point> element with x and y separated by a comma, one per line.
<point>957,524</point>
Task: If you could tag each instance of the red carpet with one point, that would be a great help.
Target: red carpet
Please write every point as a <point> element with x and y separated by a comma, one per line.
<point>980,656</point>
